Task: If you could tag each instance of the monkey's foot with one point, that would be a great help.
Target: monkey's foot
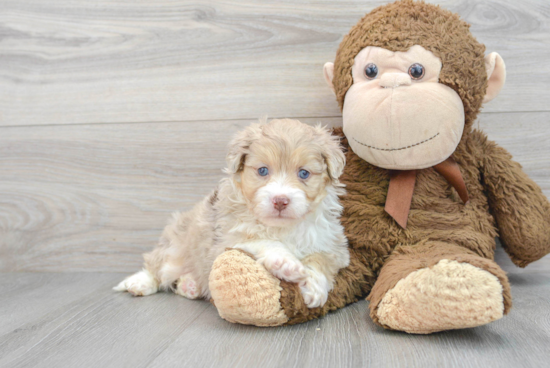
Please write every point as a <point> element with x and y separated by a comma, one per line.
<point>449,295</point>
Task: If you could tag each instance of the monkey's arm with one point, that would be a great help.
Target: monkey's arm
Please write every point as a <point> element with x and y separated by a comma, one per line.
<point>245,292</point>
<point>521,210</point>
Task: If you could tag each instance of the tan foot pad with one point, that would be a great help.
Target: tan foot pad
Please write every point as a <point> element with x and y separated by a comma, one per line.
<point>245,292</point>
<point>450,295</point>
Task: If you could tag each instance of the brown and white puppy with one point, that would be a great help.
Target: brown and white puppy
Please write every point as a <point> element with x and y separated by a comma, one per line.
<point>279,202</point>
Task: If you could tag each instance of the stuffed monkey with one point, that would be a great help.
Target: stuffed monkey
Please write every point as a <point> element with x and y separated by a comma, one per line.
<point>426,193</point>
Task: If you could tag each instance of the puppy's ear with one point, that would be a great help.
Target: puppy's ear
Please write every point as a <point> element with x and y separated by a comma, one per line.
<point>332,153</point>
<point>239,147</point>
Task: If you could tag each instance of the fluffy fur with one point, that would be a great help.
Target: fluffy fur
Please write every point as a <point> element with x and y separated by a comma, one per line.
<point>288,223</point>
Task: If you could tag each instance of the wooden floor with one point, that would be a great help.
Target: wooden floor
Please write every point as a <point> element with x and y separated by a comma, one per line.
<point>115,113</point>
<point>75,320</point>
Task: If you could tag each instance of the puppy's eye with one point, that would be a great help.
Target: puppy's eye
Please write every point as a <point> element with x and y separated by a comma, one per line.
<point>416,71</point>
<point>303,174</point>
<point>371,71</point>
<point>263,171</point>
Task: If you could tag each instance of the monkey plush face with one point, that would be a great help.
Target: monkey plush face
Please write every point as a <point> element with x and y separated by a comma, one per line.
<point>410,79</point>
<point>396,113</point>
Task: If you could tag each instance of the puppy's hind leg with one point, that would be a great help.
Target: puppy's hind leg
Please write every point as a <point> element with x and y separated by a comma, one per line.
<point>146,281</point>
<point>181,248</point>
<point>188,287</point>
<point>142,283</point>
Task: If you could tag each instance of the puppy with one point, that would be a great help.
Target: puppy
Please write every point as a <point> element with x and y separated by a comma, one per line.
<point>279,202</point>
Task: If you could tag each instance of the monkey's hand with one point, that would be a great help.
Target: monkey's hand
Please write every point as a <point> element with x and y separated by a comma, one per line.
<point>244,291</point>
<point>521,210</point>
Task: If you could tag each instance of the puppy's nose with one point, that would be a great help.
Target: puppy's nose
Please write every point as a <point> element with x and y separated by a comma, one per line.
<point>280,202</point>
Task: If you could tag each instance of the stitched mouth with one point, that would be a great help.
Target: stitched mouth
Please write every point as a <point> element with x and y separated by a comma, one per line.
<point>397,149</point>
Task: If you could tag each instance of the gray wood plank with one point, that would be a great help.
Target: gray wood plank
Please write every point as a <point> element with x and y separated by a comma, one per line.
<point>102,328</point>
<point>109,329</point>
<point>88,61</point>
<point>26,297</point>
<point>348,338</point>
<point>95,197</point>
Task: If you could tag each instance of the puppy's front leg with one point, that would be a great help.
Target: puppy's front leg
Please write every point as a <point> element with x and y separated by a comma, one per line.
<point>321,269</point>
<point>276,259</point>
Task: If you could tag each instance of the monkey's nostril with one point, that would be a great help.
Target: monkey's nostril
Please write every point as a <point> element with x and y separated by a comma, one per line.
<point>280,202</point>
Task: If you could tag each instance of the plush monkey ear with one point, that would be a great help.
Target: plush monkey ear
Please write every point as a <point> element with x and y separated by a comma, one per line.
<point>496,75</point>
<point>329,74</point>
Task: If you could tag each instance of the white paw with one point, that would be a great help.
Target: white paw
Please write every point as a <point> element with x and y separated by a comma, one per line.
<point>283,266</point>
<point>315,289</point>
<point>187,286</point>
<point>139,284</point>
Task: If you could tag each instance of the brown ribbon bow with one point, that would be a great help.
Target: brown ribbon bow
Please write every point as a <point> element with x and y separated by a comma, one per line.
<point>398,201</point>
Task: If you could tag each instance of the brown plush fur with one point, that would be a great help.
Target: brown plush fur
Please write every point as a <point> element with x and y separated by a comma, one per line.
<point>440,226</point>
<point>503,200</point>
<point>518,205</point>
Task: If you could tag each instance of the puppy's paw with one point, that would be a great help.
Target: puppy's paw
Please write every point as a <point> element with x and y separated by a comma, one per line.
<point>314,288</point>
<point>187,286</point>
<point>283,266</point>
<point>139,284</point>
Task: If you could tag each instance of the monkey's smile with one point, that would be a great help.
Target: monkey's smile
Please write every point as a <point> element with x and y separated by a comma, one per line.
<point>397,149</point>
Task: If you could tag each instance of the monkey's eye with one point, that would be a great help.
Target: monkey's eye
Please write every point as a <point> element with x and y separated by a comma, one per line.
<point>303,174</point>
<point>371,71</point>
<point>263,171</point>
<point>416,71</point>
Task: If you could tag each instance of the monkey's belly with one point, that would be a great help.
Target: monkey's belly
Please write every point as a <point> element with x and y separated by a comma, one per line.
<point>437,214</point>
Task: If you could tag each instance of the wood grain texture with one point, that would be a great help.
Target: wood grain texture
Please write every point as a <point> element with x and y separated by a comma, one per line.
<point>26,296</point>
<point>90,61</point>
<point>94,197</point>
<point>103,328</point>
